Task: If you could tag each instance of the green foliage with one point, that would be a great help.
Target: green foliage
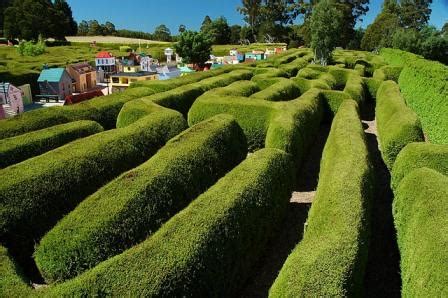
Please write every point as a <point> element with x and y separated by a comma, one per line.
<point>29,48</point>
<point>218,30</point>
<point>194,47</point>
<point>421,217</point>
<point>388,73</point>
<point>330,259</point>
<point>283,90</point>
<point>424,86</point>
<point>326,24</point>
<point>162,33</point>
<point>379,32</point>
<point>397,124</point>
<point>223,232</point>
<point>13,283</point>
<point>419,155</point>
<point>58,180</point>
<point>125,49</point>
<point>142,199</point>
<point>17,149</point>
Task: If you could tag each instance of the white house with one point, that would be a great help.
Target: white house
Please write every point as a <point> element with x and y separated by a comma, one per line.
<point>105,61</point>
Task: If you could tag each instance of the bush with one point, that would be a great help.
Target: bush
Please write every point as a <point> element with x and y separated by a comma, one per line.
<point>125,49</point>
<point>388,73</point>
<point>20,148</point>
<point>103,110</point>
<point>208,248</point>
<point>29,48</point>
<point>421,216</point>
<point>330,259</point>
<point>424,86</point>
<point>38,192</point>
<point>283,90</point>
<point>419,155</point>
<point>239,88</point>
<point>397,124</point>
<point>12,283</point>
<point>129,209</point>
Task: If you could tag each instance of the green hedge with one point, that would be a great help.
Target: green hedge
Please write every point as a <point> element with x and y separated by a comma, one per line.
<point>179,99</point>
<point>283,90</point>
<point>424,85</point>
<point>129,209</point>
<point>332,101</point>
<point>103,110</point>
<point>36,193</point>
<point>12,281</point>
<point>397,124</point>
<point>209,248</point>
<point>418,155</point>
<point>421,220</point>
<point>20,148</point>
<point>330,259</point>
<point>388,72</point>
<point>239,88</point>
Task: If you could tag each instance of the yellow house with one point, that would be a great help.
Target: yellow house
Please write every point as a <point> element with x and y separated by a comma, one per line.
<point>132,68</point>
<point>121,81</point>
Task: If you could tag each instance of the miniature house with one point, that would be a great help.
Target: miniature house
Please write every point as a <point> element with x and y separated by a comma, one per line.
<point>168,72</point>
<point>105,61</point>
<point>237,54</point>
<point>55,83</point>
<point>83,75</point>
<point>255,55</point>
<point>11,100</point>
<point>123,80</point>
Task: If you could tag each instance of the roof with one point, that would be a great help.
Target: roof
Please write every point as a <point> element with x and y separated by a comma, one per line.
<point>104,54</point>
<point>134,74</point>
<point>51,75</point>
<point>82,67</point>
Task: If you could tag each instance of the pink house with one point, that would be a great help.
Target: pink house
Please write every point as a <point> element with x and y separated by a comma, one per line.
<point>11,101</point>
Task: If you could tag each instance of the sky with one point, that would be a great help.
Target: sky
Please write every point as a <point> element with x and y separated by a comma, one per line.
<point>145,15</point>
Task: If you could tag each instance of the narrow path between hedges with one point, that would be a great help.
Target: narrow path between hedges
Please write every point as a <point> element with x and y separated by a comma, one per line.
<point>291,230</point>
<point>382,278</point>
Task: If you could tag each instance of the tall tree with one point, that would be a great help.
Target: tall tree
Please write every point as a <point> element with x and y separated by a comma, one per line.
<point>220,31</point>
<point>206,23</point>
<point>251,10</point>
<point>235,34</point>
<point>4,4</point>
<point>162,33</point>
<point>194,47</point>
<point>326,24</point>
<point>64,21</point>
<point>379,33</point>
<point>182,28</point>
<point>83,28</point>
<point>95,28</point>
<point>109,28</point>
<point>415,13</point>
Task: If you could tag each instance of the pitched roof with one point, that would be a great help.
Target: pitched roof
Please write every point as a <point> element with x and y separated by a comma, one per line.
<point>82,67</point>
<point>51,75</point>
<point>104,54</point>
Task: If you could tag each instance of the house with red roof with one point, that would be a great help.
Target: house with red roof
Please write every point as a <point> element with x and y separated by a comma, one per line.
<point>105,61</point>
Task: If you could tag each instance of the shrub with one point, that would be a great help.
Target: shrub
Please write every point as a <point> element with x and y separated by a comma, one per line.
<point>103,110</point>
<point>239,88</point>
<point>419,155</point>
<point>125,49</point>
<point>36,193</point>
<point>29,48</point>
<point>388,72</point>
<point>330,259</point>
<point>424,86</point>
<point>283,90</point>
<point>208,248</point>
<point>12,283</point>
<point>397,124</point>
<point>332,101</point>
<point>129,209</point>
<point>421,215</point>
<point>17,149</point>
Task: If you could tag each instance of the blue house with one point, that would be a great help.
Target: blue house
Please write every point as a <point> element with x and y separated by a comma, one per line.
<point>255,55</point>
<point>55,83</point>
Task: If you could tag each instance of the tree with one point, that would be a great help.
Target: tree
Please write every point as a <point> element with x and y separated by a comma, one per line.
<point>378,34</point>
<point>415,13</point>
<point>445,29</point>
<point>194,47</point>
<point>326,24</point>
<point>4,4</point>
<point>64,21</point>
<point>109,29</point>
<point>251,11</point>
<point>162,33</point>
<point>182,28</point>
<point>235,34</point>
<point>83,28</point>
<point>206,23</point>
<point>355,43</point>
<point>406,40</point>
<point>220,31</point>
<point>94,28</point>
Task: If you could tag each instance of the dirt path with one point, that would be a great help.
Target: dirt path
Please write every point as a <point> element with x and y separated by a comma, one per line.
<point>290,233</point>
<point>382,277</point>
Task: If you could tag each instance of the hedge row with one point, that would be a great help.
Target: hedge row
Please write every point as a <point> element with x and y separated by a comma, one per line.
<point>330,259</point>
<point>36,193</point>
<point>388,72</point>
<point>12,281</point>
<point>179,99</point>
<point>283,90</point>
<point>418,155</point>
<point>103,110</point>
<point>135,205</point>
<point>424,85</point>
<point>397,124</point>
<point>20,148</point>
<point>207,249</point>
<point>421,220</point>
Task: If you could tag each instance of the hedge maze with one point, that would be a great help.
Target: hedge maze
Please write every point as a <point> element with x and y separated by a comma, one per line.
<point>179,187</point>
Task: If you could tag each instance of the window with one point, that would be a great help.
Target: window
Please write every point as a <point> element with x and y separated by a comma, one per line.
<point>129,68</point>
<point>115,80</point>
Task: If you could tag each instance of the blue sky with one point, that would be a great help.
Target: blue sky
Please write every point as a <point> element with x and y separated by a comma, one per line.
<point>145,15</point>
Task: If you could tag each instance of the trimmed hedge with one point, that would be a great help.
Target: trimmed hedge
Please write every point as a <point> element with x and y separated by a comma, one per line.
<point>179,99</point>
<point>207,249</point>
<point>283,90</point>
<point>20,148</point>
<point>333,100</point>
<point>239,88</point>
<point>129,209</point>
<point>388,72</point>
<point>12,281</point>
<point>421,220</point>
<point>424,85</point>
<point>36,193</point>
<point>330,260</point>
<point>418,155</point>
<point>397,124</point>
<point>103,110</point>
